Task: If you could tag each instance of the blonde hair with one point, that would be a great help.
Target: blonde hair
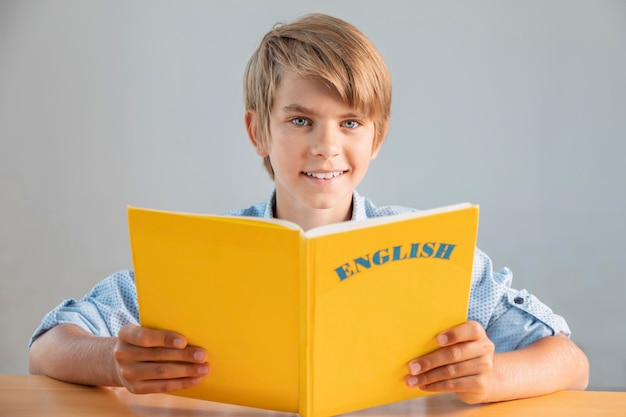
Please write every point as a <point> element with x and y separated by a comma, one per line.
<point>326,47</point>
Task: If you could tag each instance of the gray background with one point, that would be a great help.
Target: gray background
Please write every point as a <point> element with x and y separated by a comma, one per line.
<point>518,106</point>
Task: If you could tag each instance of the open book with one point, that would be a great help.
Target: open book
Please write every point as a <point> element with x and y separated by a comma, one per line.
<point>319,323</point>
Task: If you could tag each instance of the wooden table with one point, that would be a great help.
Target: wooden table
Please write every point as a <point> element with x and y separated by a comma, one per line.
<point>29,396</point>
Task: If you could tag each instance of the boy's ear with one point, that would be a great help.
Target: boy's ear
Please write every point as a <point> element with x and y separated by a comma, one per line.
<point>250,120</point>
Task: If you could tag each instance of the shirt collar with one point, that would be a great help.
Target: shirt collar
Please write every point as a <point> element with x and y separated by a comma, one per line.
<point>268,212</point>
<point>358,207</point>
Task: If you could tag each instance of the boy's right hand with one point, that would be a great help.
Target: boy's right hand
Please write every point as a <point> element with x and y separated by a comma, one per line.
<point>151,360</point>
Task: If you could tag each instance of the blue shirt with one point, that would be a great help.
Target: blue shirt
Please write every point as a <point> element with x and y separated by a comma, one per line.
<point>512,318</point>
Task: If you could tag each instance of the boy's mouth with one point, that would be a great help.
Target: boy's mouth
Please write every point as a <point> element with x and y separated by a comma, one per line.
<point>324,175</point>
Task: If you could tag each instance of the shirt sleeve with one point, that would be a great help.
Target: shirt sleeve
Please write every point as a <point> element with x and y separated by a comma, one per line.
<point>512,318</point>
<point>111,304</point>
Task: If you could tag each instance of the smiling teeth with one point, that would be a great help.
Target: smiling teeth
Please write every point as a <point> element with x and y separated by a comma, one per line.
<point>324,175</point>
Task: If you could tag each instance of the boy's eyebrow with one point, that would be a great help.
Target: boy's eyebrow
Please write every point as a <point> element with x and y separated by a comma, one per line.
<point>296,108</point>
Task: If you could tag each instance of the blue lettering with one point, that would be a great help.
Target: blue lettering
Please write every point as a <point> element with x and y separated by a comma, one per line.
<point>444,251</point>
<point>364,262</point>
<point>378,259</point>
<point>427,250</point>
<point>344,271</point>
<point>397,251</point>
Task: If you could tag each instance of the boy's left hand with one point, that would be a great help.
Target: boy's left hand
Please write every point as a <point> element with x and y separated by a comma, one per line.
<point>463,364</point>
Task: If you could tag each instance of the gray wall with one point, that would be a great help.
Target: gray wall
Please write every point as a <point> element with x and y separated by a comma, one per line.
<point>516,105</point>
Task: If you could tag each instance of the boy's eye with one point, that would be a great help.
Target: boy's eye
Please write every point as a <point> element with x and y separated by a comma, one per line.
<point>299,121</point>
<point>351,124</point>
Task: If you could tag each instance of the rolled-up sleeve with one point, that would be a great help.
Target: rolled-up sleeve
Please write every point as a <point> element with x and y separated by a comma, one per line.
<point>512,318</point>
<point>111,304</point>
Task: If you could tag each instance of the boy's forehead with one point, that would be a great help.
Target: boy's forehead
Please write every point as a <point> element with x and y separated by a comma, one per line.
<point>290,80</point>
<point>297,92</point>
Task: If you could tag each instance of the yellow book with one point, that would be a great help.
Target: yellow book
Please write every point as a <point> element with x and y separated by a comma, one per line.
<point>319,323</point>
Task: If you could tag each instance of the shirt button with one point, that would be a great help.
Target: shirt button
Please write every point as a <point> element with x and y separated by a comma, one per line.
<point>518,300</point>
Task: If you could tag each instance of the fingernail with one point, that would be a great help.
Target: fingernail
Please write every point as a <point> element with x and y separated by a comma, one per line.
<point>198,356</point>
<point>411,381</point>
<point>203,369</point>
<point>442,339</point>
<point>415,367</point>
<point>179,343</point>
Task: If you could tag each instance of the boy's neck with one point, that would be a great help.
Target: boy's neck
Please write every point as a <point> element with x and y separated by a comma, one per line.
<point>308,218</point>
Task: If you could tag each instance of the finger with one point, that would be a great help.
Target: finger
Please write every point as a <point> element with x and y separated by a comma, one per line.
<point>468,331</point>
<point>163,385</point>
<point>145,371</point>
<point>145,337</point>
<point>452,354</point>
<point>131,353</point>
<point>443,356</point>
<point>477,368</point>
<point>458,385</point>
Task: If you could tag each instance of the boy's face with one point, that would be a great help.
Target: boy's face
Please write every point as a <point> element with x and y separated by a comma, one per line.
<point>319,147</point>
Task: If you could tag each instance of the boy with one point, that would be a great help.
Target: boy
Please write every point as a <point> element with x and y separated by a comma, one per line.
<point>317,96</point>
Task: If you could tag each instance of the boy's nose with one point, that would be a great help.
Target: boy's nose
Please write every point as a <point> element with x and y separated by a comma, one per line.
<point>326,144</point>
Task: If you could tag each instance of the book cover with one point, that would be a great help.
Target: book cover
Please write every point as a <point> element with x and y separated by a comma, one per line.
<point>321,322</point>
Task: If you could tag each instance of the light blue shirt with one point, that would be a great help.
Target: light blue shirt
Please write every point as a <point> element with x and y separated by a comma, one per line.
<point>512,318</point>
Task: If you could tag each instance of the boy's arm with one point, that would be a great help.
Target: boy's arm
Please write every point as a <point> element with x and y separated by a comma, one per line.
<point>466,364</point>
<point>142,360</point>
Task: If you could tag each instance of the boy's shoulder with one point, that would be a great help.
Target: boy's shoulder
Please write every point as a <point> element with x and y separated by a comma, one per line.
<point>364,208</point>
<point>263,209</point>
<point>256,210</point>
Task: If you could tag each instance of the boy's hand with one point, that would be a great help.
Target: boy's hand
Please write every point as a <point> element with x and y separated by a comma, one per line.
<point>151,360</point>
<point>463,364</point>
